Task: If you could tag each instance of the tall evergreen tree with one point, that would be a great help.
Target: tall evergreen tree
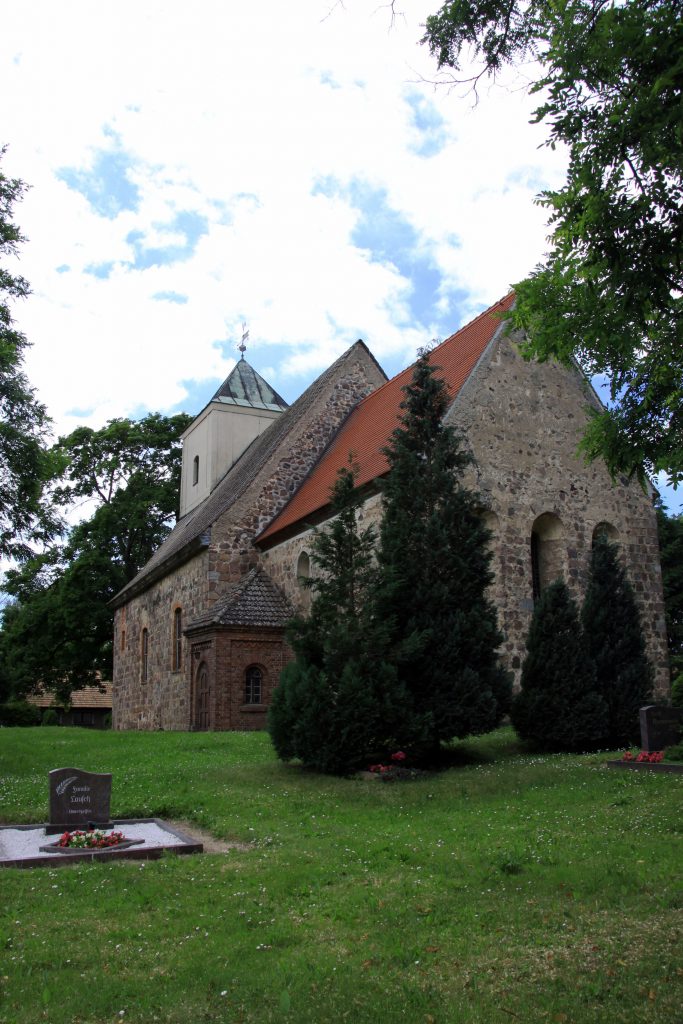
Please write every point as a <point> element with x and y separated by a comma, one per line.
<point>435,566</point>
<point>611,624</point>
<point>559,706</point>
<point>339,704</point>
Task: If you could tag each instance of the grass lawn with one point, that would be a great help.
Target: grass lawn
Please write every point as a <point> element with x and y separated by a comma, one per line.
<point>510,888</point>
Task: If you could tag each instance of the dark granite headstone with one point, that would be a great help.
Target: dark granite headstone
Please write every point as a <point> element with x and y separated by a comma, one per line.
<point>660,726</point>
<point>77,797</point>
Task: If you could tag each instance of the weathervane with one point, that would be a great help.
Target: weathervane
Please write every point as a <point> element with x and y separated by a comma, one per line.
<point>245,338</point>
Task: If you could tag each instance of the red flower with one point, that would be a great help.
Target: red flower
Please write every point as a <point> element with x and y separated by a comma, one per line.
<point>398,756</point>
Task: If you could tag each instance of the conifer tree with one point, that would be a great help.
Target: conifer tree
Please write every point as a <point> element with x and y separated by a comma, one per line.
<point>339,705</point>
<point>559,706</point>
<point>611,623</point>
<point>435,567</point>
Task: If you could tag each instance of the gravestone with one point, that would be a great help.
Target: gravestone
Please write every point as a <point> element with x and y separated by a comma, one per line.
<point>78,798</point>
<point>660,726</point>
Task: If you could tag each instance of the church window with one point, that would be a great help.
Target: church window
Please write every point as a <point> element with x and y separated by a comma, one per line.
<point>548,552</point>
<point>303,566</point>
<point>535,566</point>
<point>253,685</point>
<point>144,667</point>
<point>607,532</point>
<point>195,471</point>
<point>177,639</point>
<point>303,573</point>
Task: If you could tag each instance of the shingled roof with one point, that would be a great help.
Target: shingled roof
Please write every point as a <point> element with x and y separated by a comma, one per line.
<point>368,429</point>
<point>87,697</point>
<point>192,533</point>
<point>254,601</point>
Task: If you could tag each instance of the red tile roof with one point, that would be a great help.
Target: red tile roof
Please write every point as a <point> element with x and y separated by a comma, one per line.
<point>368,428</point>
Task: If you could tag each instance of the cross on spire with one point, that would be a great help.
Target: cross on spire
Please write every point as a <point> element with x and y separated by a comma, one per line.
<point>245,338</point>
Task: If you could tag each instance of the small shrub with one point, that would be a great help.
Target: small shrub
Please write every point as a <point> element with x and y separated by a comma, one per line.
<point>19,712</point>
<point>674,753</point>
<point>107,721</point>
<point>50,717</point>
<point>677,691</point>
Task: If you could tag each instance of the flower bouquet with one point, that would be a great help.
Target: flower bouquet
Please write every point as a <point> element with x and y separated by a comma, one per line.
<point>94,839</point>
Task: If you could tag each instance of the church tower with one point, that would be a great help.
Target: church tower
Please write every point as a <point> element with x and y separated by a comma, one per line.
<point>242,408</point>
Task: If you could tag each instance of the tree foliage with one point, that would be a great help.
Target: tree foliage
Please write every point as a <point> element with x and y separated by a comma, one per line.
<point>609,294</point>
<point>671,555</point>
<point>559,706</point>
<point>58,630</point>
<point>24,424</point>
<point>435,571</point>
<point>339,704</point>
<point>616,645</point>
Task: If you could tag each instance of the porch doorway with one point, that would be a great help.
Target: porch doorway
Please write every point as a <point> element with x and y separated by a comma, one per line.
<point>202,717</point>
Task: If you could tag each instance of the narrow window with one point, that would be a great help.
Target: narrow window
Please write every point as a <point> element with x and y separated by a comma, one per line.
<point>145,655</point>
<point>303,567</point>
<point>123,628</point>
<point>177,639</point>
<point>548,552</point>
<point>195,471</point>
<point>252,689</point>
<point>535,567</point>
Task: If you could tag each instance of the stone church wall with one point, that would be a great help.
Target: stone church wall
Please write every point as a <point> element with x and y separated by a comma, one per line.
<point>163,702</point>
<point>524,422</point>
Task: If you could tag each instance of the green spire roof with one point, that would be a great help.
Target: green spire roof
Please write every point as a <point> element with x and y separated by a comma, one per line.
<point>244,386</point>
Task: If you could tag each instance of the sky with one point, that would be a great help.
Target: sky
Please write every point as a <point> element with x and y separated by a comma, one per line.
<point>288,166</point>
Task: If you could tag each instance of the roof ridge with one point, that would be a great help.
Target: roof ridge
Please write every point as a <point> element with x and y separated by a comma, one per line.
<point>470,323</point>
<point>376,415</point>
<point>450,337</point>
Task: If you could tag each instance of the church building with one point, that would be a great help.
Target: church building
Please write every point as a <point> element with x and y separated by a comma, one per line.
<point>199,633</point>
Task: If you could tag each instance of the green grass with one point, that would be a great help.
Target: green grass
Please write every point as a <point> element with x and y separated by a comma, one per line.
<point>511,887</point>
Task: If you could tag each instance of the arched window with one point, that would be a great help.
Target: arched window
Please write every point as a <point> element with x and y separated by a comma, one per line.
<point>303,566</point>
<point>607,532</point>
<point>548,552</point>
<point>195,471</point>
<point>177,655</point>
<point>253,680</point>
<point>144,656</point>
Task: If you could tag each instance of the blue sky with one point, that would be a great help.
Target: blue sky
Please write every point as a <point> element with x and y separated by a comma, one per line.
<point>287,165</point>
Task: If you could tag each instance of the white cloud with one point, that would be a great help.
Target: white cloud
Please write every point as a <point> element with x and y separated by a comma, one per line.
<point>233,113</point>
